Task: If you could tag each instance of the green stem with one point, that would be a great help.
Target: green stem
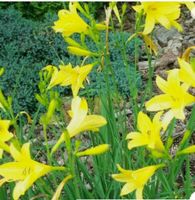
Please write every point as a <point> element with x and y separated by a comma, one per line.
<point>48,152</point>
<point>72,162</point>
<point>46,142</point>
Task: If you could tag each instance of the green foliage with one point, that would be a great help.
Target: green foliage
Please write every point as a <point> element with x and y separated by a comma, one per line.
<point>37,10</point>
<point>27,46</point>
<point>96,7</point>
<point>34,10</point>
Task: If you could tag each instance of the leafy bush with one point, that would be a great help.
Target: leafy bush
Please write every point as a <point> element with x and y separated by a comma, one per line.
<point>26,46</point>
<point>34,10</point>
<point>37,10</point>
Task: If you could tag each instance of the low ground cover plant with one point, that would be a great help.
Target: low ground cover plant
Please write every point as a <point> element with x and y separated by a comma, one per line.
<point>99,140</point>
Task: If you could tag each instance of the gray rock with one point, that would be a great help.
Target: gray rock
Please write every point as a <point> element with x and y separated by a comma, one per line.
<point>175,46</point>
<point>163,35</point>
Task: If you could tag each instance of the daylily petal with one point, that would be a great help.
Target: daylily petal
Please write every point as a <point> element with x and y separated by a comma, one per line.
<point>90,123</point>
<point>25,151</point>
<point>83,72</point>
<point>185,87</point>
<point>79,105</point>
<point>174,15</point>
<point>5,136</point>
<point>188,99</point>
<point>139,194</point>
<point>162,84</point>
<point>4,146</point>
<point>64,76</point>
<point>145,173</point>
<point>164,21</point>
<point>144,122</point>
<point>127,188</point>
<point>138,140</point>
<point>14,170</point>
<point>131,134</point>
<point>60,187</point>
<point>186,73</point>
<point>173,79</point>
<point>22,186</point>
<point>122,177</point>
<point>156,120</point>
<point>168,116</point>
<point>79,112</point>
<point>122,170</point>
<point>149,24</point>
<point>159,102</point>
<point>15,153</point>
<point>177,26</point>
<point>179,113</point>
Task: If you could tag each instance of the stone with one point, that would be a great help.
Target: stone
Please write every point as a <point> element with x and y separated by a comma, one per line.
<point>163,35</point>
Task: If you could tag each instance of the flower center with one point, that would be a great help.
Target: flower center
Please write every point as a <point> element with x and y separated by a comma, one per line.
<point>26,171</point>
<point>152,8</point>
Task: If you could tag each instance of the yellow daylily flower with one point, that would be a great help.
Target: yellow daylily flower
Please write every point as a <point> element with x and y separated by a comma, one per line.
<point>24,170</point>
<point>164,13</point>
<point>135,179</point>
<point>5,135</point>
<point>102,148</point>
<point>149,133</point>
<point>70,76</point>
<point>175,98</point>
<point>70,22</point>
<point>80,120</point>
<point>186,72</point>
